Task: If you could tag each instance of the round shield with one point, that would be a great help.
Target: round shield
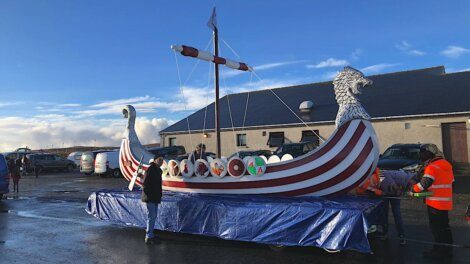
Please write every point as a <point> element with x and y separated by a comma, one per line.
<point>173,168</point>
<point>187,168</point>
<point>286,157</point>
<point>273,159</point>
<point>218,168</point>
<point>264,157</point>
<point>201,168</point>
<point>164,169</point>
<point>245,159</point>
<point>236,167</point>
<point>256,166</point>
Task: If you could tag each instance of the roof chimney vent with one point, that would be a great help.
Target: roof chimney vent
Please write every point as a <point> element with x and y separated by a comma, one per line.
<point>306,106</point>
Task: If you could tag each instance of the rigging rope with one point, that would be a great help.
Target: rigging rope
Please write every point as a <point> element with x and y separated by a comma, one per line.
<point>207,96</point>
<point>184,99</point>
<point>279,98</point>
<point>271,90</point>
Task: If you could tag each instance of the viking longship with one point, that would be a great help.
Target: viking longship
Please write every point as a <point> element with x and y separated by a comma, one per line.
<point>339,164</point>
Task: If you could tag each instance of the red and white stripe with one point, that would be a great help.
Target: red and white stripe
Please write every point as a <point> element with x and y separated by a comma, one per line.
<point>204,55</point>
<point>339,165</point>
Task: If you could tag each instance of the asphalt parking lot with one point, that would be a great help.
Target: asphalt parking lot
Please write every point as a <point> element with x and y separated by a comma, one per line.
<point>47,223</point>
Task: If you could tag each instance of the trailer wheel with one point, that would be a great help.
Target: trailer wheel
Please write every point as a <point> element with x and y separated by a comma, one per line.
<point>117,173</point>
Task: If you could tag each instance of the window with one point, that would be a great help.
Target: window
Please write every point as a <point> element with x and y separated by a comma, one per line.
<point>311,136</point>
<point>171,142</point>
<point>241,140</point>
<point>276,139</point>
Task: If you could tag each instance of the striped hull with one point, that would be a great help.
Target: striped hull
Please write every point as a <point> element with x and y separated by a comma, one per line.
<point>339,165</point>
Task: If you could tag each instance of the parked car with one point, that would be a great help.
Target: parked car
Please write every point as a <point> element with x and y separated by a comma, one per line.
<point>46,161</point>
<point>4,177</point>
<point>17,154</point>
<point>295,149</point>
<point>75,157</point>
<point>245,153</point>
<point>405,156</point>
<point>107,163</point>
<point>172,152</point>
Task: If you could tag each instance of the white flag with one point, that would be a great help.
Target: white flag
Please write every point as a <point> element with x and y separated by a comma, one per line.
<point>212,23</point>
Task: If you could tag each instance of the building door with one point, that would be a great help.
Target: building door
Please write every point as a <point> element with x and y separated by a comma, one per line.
<point>454,142</point>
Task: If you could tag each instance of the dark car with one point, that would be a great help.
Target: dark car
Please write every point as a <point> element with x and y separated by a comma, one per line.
<point>295,149</point>
<point>172,152</point>
<point>4,179</point>
<point>245,153</point>
<point>46,161</point>
<point>405,156</point>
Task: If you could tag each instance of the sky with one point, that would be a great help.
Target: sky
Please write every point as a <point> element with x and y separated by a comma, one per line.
<point>68,67</point>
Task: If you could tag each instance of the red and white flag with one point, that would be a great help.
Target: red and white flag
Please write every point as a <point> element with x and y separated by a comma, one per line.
<point>212,23</point>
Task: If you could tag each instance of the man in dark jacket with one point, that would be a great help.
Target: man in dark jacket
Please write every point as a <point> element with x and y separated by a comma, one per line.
<point>152,195</point>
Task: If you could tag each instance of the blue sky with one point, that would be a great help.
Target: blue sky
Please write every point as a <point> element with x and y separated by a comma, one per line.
<point>67,67</point>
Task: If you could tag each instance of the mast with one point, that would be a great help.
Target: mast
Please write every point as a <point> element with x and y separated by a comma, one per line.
<point>217,113</point>
<point>203,55</point>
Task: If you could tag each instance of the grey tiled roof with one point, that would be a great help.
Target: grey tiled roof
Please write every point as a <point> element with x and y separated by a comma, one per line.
<point>416,92</point>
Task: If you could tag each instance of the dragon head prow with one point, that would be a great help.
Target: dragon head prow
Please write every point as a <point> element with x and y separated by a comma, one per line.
<point>352,78</point>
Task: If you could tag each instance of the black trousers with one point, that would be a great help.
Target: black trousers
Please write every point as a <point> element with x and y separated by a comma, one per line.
<point>439,223</point>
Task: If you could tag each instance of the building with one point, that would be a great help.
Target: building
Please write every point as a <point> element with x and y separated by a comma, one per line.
<point>424,105</point>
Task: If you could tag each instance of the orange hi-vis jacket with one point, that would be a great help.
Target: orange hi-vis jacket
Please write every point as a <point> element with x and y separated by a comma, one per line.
<point>438,178</point>
<point>371,184</point>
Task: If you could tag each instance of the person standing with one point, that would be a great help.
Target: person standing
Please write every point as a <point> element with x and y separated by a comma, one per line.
<point>393,184</point>
<point>25,165</point>
<point>152,195</point>
<point>14,171</point>
<point>199,153</point>
<point>437,178</point>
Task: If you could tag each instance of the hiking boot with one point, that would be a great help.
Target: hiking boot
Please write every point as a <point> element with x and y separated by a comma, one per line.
<point>149,241</point>
<point>402,239</point>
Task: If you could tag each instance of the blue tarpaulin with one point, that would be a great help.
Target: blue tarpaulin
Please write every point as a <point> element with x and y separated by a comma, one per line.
<point>332,223</point>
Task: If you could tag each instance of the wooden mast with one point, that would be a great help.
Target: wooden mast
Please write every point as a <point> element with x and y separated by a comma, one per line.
<point>195,53</point>
<point>217,112</point>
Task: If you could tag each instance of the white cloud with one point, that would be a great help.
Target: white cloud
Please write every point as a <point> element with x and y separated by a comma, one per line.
<point>455,51</point>
<point>5,104</point>
<point>331,62</point>
<point>408,48</point>
<point>45,131</point>
<point>378,67</point>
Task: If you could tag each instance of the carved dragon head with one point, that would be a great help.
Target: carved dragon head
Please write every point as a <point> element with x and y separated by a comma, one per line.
<point>350,80</point>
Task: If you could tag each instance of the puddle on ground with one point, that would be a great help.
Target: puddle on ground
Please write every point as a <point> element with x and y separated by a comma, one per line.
<point>30,214</point>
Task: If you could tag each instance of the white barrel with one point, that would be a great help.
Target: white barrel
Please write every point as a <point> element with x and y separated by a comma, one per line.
<point>273,159</point>
<point>218,168</point>
<point>286,157</point>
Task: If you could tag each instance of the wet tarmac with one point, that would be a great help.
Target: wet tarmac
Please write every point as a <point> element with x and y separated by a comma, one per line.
<point>47,223</point>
